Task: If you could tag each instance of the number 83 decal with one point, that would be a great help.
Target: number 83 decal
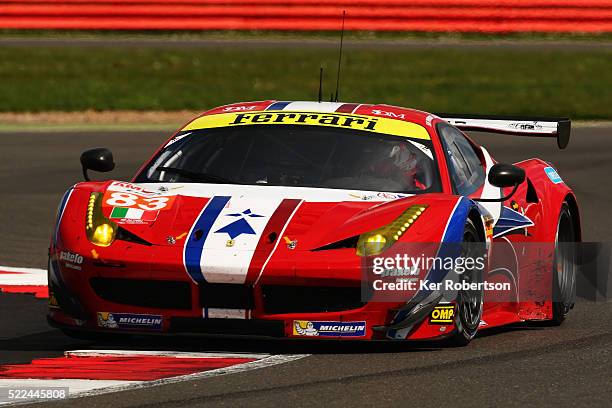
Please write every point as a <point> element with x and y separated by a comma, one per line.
<point>129,200</point>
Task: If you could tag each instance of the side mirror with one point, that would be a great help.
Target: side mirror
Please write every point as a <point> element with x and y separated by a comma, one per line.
<point>504,175</point>
<point>99,159</point>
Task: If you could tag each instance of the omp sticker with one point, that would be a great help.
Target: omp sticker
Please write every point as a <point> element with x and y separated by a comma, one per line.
<point>330,329</point>
<point>553,175</point>
<point>442,314</point>
<point>331,119</point>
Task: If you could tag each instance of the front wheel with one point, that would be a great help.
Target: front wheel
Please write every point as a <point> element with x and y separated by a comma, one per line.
<point>469,302</point>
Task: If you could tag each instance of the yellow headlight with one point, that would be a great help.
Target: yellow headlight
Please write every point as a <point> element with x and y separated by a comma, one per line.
<point>375,242</point>
<point>100,230</point>
<point>103,235</point>
<point>378,239</point>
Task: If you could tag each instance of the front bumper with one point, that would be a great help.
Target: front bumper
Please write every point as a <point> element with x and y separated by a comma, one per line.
<point>132,299</point>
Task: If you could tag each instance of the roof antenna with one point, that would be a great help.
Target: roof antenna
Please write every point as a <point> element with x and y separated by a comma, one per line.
<point>321,85</point>
<point>340,56</point>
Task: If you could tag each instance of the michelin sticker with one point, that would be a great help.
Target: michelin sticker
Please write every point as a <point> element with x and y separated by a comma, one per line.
<point>553,175</point>
<point>329,329</point>
<point>129,321</point>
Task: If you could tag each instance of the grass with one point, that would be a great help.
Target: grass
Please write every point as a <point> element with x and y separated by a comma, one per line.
<point>494,81</point>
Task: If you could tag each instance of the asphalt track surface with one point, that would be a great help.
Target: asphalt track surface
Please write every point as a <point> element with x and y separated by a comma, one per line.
<point>519,366</point>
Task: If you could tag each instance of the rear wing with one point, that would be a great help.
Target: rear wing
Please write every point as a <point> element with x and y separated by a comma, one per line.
<point>514,125</point>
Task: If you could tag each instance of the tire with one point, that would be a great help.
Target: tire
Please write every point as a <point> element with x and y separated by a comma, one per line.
<point>469,303</point>
<point>564,267</point>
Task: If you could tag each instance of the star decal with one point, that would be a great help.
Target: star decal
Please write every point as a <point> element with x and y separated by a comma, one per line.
<point>240,226</point>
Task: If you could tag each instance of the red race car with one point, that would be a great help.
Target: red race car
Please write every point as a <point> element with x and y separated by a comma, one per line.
<point>291,219</point>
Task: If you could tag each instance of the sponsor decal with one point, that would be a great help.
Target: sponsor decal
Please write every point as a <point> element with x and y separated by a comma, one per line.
<point>131,200</point>
<point>340,120</point>
<point>240,226</point>
<point>127,187</point>
<point>381,195</point>
<point>133,204</point>
<point>442,314</point>
<point>177,138</point>
<point>388,114</point>
<point>330,329</point>
<point>525,126</point>
<point>239,108</point>
<point>326,119</point>
<point>107,320</point>
<point>133,214</point>
<point>129,321</point>
<point>553,175</point>
<point>71,257</point>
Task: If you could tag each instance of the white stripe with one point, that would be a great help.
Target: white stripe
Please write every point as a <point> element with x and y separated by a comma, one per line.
<point>356,107</point>
<point>490,191</point>
<point>221,263</point>
<point>303,106</point>
<point>23,277</point>
<point>238,368</point>
<point>82,388</point>
<point>176,354</point>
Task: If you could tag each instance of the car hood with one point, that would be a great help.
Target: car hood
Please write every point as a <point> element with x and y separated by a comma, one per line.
<point>240,216</point>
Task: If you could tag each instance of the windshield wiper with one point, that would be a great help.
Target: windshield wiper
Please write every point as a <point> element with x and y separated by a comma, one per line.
<point>194,176</point>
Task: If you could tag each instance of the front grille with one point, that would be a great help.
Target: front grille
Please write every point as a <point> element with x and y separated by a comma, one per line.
<point>270,328</point>
<point>226,295</point>
<point>144,293</point>
<point>310,299</point>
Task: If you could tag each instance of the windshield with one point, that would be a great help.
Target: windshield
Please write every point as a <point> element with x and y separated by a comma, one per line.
<point>304,156</point>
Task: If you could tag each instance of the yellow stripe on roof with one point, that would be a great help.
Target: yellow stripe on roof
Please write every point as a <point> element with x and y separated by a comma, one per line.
<point>338,120</point>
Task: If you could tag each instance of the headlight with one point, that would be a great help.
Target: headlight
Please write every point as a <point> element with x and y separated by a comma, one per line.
<point>100,230</point>
<point>375,242</point>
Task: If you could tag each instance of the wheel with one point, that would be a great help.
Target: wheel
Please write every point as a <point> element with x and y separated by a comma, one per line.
<point>564,267</point>
<point>469,302</point>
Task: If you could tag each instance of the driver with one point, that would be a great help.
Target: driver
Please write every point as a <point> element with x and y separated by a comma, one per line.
<point>401,165</point>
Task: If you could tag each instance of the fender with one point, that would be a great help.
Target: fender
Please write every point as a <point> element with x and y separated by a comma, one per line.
<point>551,195</point>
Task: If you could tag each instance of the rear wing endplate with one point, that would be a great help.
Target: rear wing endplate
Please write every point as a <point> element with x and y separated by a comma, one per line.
<point>514,125</point>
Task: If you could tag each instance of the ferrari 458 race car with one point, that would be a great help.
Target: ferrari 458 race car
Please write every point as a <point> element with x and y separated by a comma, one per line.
<point>268,218</point>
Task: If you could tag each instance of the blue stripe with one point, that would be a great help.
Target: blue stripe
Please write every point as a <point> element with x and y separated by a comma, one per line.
<point>60,213</point>
<point>193,246</point>
<point>453,236</point>
<point>278,106</point>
